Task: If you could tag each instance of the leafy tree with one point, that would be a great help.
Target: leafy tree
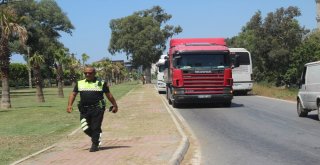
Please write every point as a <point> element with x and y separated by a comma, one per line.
<point>18,73</point>
<point>44,20</point>
<point>272,42</point>
<point>308,51</point>
<point>61,58</point>
<point>10,28</point>
<point>104,69</point>
<point>142,36</point>
<point>75,68</point>
<point>85,58</point>
<point>36,61</point>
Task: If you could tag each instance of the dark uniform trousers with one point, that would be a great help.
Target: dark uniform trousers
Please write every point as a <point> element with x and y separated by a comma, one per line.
<point>91,119</point>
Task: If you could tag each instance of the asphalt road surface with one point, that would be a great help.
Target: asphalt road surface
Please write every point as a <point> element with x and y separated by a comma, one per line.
<point>255,131</point>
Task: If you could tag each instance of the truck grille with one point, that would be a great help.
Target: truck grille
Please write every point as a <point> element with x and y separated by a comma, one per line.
<point>211,83</point>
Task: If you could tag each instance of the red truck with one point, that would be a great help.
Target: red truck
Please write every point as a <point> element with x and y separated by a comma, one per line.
<point>198,71</point>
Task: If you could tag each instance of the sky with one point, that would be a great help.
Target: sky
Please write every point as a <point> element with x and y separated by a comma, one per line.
<point>198,18</point>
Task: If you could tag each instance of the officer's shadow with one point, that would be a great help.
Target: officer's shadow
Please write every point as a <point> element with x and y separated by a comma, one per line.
<point>113,147</point>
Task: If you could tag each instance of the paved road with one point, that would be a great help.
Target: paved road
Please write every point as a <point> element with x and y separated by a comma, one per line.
<point>255,130</point>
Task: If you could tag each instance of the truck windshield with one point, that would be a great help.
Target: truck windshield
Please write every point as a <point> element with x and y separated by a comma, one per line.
<point>188,61</point>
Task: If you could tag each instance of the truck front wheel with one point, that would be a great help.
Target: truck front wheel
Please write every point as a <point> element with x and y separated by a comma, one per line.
<point>175,104</point>
<point>227,104</point>
<point>169,96</point>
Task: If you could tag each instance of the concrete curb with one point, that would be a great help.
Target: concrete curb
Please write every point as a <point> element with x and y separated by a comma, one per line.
<point>178,155</point>
<point>181,151</point>
<point>32,155</point>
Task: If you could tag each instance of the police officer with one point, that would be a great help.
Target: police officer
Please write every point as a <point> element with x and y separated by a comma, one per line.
<point>92,104</point>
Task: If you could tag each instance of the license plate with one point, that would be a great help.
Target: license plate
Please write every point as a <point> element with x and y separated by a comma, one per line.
<point>204,96</point>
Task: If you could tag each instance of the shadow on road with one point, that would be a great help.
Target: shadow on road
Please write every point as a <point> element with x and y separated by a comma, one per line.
<point>313,117</point>
<point>208,105</point>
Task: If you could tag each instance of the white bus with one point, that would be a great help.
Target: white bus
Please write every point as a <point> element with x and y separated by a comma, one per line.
<point>242,75</point>
<point>161,85</point>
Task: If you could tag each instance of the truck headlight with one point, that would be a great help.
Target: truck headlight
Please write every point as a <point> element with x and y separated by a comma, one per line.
<point>178,91</point>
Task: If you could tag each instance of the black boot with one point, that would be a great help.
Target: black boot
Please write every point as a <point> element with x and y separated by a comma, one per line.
<point>94,147</point>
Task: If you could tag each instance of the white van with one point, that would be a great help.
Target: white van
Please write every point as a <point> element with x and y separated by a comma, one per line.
<point>161,85</point>
<point>308,98</point>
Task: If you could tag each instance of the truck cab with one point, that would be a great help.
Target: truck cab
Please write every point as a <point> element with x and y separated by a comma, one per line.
<point>199,71</point>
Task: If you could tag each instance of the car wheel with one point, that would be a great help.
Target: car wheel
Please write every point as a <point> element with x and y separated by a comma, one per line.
<point>319,111</point>
<point>301,112</point>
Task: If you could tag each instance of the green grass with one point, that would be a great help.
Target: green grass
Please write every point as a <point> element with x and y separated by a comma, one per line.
<point>30,126</point>
<point>275,92</point>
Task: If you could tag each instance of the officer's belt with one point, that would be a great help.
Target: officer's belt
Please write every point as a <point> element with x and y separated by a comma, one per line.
<point>91,105</point>
<point>100,103</point>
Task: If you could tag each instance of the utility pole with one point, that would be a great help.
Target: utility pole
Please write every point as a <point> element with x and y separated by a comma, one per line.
<point>318,14</point>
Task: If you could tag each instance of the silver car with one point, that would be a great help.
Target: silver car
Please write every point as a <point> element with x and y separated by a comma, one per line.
<point>308,98</point>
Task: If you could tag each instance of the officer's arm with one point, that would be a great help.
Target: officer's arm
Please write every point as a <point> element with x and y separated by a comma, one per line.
<point>113,102</point>
<point>72,97</point>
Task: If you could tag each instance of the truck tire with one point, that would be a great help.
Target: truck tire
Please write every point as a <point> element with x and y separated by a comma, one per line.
<point>301,112</point>
<point>227,104</point>
<point>169,96</point>
<point>175,104</point>
<point>319,110</point>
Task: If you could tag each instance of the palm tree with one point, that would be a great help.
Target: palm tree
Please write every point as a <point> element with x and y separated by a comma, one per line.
<point>36,61</point>
<point>9,27</point>
<point>74,66</point>
<point>85,58</point>
<point>60,57</point>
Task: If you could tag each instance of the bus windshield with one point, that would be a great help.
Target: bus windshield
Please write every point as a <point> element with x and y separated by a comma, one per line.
<point>244,58</point>
<point>161,68</point>
<point>189,61</point>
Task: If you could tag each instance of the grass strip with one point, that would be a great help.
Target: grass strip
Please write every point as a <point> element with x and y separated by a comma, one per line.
<point>275,92</point>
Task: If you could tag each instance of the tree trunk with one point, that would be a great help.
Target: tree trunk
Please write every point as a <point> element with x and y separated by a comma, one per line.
<point>60,81</point>
<point>5,98</point>
<point>4,71</point>
<point>147,73</point>
<point>73,77</point>
<point>29,68</point>
<point>30,78</point>
<point>38,84</point>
